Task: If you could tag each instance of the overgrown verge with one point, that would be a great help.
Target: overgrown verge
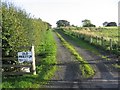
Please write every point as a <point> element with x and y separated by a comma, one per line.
<point>44,68</point>
<point>86,69</point>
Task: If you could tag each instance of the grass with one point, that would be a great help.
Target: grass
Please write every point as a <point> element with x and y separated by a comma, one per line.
<point>81,43</point>
<point>86,69</point>
<point>93,46</point>
<point>106,32</point>
<point>44,70</point>
<point>116,66</point>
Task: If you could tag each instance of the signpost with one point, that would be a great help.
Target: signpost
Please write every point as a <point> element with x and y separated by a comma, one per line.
<point>28,57</point>
<point>33,61</point>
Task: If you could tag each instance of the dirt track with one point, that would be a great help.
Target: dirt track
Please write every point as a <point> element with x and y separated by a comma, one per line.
<point>68,74</point>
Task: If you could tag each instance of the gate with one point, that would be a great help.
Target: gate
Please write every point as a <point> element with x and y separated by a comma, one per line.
<point>14,68</point>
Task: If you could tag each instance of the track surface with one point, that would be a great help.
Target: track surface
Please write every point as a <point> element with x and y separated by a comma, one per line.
<point>68,74</point>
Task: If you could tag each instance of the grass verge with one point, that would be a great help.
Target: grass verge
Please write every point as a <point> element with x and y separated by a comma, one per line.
<point>43,66</point>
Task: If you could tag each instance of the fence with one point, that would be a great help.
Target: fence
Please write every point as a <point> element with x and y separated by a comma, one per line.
<point>109,44</point>
<point>18,69</point>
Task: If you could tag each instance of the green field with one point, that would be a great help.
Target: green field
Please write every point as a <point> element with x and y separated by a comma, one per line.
<point>105,37</point>
<point>106,32</point>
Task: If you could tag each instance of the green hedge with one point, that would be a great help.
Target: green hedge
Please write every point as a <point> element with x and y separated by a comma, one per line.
<point>19,29</point>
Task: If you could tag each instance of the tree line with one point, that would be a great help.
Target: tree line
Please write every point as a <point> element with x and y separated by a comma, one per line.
<point>85,23</point>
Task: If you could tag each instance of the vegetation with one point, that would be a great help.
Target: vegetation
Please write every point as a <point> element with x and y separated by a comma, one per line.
<point>91,47</point>
<point>106,32</point>
<point>109,24</point>
<point>63,23</point>
<point>43,66</point>
<point>87,23</point>
<point>19,29</point>
<point>98,36</point>
<point>86,69</point>
<point>80,42</point>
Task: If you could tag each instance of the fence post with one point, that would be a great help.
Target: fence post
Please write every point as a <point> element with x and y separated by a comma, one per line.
<point>33,61</point>
<point>78,35</point>
<point>96,40</point>
<point>81,36</point>
<point>102,41</point>
<point>110,44</point>
<point>91,39</point>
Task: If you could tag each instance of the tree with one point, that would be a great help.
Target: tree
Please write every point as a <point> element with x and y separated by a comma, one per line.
<point>87,23</point>
<point>112,24</point>
<point>63,23</point>
<point>105,23</point>
<point>109,24</point>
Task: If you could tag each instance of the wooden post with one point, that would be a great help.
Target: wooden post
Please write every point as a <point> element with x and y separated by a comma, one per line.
<point>78,35</point>
<point>110,44</point>
<point>81,36</point>
<point>33,61</point>
<point>96,40</point>
<point>102,41</point>
<point>91,39</point>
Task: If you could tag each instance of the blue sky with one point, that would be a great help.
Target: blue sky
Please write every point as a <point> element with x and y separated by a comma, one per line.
<point>74,11</point>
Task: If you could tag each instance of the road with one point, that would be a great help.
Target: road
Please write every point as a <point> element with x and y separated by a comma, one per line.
<point>68,74</point>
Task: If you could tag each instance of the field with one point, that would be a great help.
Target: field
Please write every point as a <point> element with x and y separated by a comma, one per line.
<point>105,37</point>
<point>106,32</point>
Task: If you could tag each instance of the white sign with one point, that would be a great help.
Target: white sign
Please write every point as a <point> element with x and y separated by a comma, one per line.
<point>24,56</point>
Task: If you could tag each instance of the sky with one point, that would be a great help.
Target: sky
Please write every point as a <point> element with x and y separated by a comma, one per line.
<point>74,11</point>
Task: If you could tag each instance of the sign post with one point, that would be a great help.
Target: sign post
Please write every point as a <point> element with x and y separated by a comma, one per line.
<point>33,61</point>
<point>28,57</point>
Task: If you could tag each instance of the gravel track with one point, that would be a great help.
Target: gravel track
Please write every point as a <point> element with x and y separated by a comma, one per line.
<point>68,74</point>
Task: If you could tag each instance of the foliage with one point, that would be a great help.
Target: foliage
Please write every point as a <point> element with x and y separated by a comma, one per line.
<point>108,24</point>
<point>43,66</point>
<point>63,23</point>
<point>13,29</point>
<point>105,23</point>
<point>100,37</point>
<point>19,29</point>
<point>87,23</point>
